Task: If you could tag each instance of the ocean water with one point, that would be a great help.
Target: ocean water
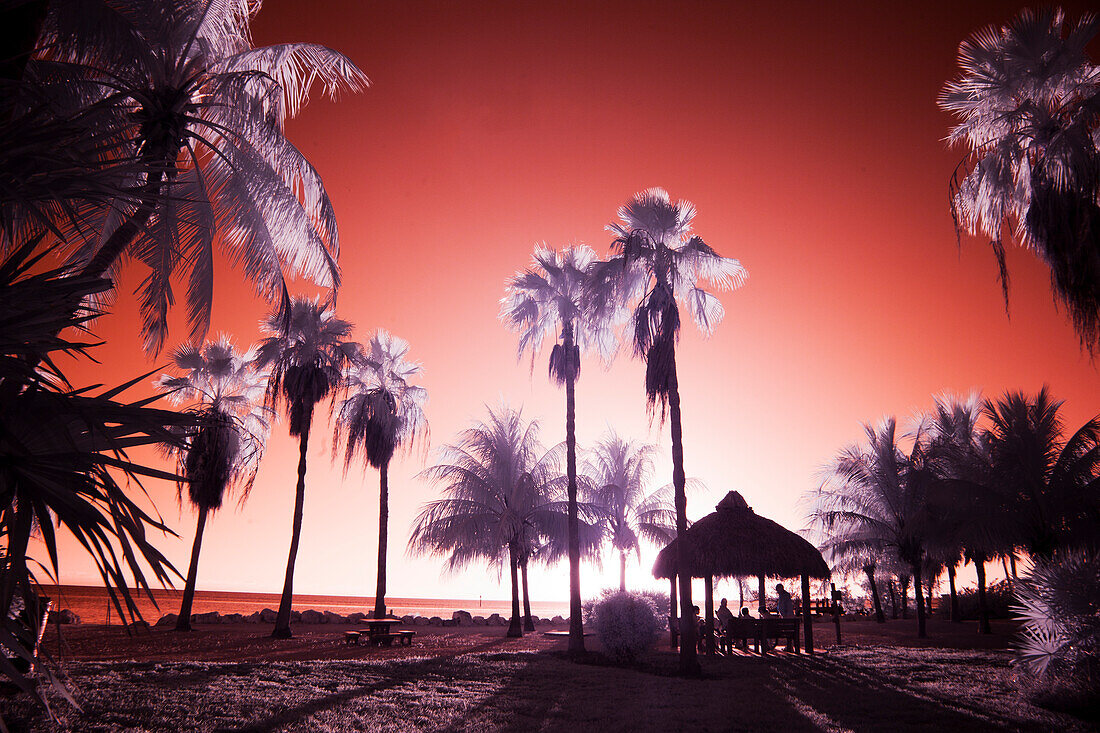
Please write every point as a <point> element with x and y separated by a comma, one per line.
<point>92,605</point>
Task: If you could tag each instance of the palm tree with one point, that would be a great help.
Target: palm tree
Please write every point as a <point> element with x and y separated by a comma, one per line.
<point>228,400</point>
<point>1026,99</point>
<point>852,560</point>
<point>548,299</point>
<point>203,111</point>
<point>617,474</point>
<point>874,498</point>
<point>971,500</point>
<point>499,499</point>
<point>307,352</point>
<point>1051,485</point>
<point>657,262</point>
<point>64,450</point>
<point>382,412</point>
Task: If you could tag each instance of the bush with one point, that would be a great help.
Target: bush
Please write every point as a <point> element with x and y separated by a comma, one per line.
<point>627,624</point>
<point>1059,645</point>
<point>998,599</point>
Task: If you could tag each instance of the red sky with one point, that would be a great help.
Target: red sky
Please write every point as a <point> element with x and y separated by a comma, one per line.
<point>808,137</point>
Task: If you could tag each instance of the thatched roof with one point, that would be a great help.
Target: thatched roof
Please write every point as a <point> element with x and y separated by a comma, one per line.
<point>735,542</point>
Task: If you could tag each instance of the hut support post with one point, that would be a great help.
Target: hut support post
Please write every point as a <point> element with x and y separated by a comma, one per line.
<point>836,610</point>
<point>708,585</point>
<point>807,616</point>
<point>673,623</point>
<point>762,600</point>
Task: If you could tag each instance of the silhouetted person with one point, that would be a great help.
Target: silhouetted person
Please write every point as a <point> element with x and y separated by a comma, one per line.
<point>785,605</point>
<point>724,615</point>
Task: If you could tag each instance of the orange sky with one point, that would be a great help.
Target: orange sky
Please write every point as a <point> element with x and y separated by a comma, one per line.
<point>806,134</point>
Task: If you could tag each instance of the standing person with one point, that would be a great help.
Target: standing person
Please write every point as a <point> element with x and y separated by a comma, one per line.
<point>724,615</point>
<point>785,605</point>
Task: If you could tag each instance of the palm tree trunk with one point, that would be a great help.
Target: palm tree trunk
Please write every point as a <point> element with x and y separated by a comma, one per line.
<point>528,622</point>
<point>879,616</point>
<point>918,591</point>
<point>672,623</point>
<point>928,597</point>
<point>576,628</point>
<point>903,591</point>
<point>689,662</point>
<point>708,608</point>
<point>762,598</point>
<point>121,238</point>
<point>893,599</point>
<point>955,617</point>
<point>983,608</point>
<point>183,623</point>
<point>383,538</point>
<point>19,533</point>
<point>514,628</point>
<point>1012,563</point>
<point>622,572</point>
<point>282,621</point>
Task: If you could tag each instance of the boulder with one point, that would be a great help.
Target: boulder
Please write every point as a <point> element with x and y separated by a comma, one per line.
<point>478,621</point>
<point>65,616</point>
<point>139,625</point>
<point>462,617</point>
<point>535,620</point>
<point>268,616</point>
<point>253,618</point>
<point>212,617</point>
<point>450,622</point>
<point>334,618</point>
<point>312,617</point>
<point>557,620</point>
<point>407,620</point>
<point>494,620</point>
<point>354,618</point>
<point>168,619</point>
<point>233,618</point>
<point>420,621</point>
<point>295,617</point>
<point>435,621</point>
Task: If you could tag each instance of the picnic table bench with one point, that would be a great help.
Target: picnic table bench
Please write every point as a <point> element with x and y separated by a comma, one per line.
<point>379,632</point>
<point>760,630</point>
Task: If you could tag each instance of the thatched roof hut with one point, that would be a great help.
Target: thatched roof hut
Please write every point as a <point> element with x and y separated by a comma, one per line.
<point>735,541</point>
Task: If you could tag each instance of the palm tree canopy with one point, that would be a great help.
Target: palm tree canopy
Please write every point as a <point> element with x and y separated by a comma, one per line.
<point>221,386</point>
<point>1051,483</point>
<point>874,497</point>
<point>63,450</point>
<point>307,351</point>
<point>616,475</point>
<point>658,263</point>
<point>499,491</point>
<point>204,111</point>
<point>548,298</point>
<point>384,409</point>
<point>1028,103</point>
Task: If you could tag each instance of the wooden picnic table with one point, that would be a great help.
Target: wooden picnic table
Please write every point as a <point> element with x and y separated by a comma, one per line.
<point>379,632</point>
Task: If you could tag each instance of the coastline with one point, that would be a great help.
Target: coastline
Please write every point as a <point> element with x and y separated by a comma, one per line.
<point>91,604</point>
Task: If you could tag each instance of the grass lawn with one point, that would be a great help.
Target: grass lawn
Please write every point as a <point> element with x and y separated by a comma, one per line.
<point>530,685</point>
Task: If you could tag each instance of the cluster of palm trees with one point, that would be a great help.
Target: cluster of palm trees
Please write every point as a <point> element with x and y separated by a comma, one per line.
<point>307,357</point>
<point>582,304</point>
<point>506,502</point>
<point>146,132</point>
<point>971,481</point>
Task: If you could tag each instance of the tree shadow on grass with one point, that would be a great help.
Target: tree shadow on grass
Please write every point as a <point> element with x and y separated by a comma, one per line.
<point>396,673</point>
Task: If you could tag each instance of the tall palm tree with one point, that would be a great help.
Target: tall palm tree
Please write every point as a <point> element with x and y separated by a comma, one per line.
<point>498,482</point>
<point>203,111</point>
<point>1027,100</point>
<point>657,263</point>
<point>617,474</point>
<point>548,299</point>
<point>307,352</point>
<point>874,498</point>
<point>64,457</point>
<point>1051,483</point>
<point>383,411</point>
<point>972,501</point>
<point>226,394</point>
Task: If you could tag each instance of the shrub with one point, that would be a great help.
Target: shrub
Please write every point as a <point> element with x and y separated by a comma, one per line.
<point>1059,645</point>
<point>998,599</point>
<point>627,624</point>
